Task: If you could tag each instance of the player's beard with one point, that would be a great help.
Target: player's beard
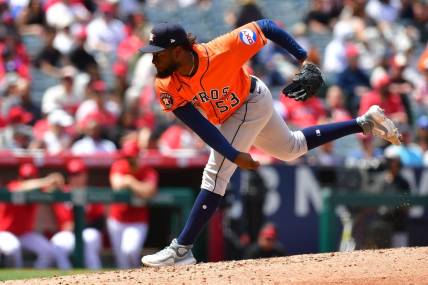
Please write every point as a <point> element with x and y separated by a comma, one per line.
<point>167,71</point>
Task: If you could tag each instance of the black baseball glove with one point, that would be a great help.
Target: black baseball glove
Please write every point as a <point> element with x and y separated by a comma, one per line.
<point>306,83</point>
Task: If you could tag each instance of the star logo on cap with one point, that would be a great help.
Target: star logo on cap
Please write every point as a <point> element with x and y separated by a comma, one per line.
<point>172,41</point>
<point>151,37</point>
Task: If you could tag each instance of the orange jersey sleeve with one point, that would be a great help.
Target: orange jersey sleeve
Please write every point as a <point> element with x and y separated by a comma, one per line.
<point>167,91</point>
<point>221,84</point>
<point>239,45</point>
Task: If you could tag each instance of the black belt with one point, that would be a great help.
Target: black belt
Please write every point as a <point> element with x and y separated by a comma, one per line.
<point>253,84</point>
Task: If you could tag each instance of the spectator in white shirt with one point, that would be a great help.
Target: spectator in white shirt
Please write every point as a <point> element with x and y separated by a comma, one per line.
<point>99,102</point>
<point>334,54</point>
<point>383,10</point>
<point>105,32</point>
<point>93,142</point>
<point>69,13</point>
<point>65,16</point>
<point>144,75</point>
<point>62,96</point>
<point>57,139</point>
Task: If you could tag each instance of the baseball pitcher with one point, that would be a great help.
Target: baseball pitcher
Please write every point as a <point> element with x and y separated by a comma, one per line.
<point>206,86</point>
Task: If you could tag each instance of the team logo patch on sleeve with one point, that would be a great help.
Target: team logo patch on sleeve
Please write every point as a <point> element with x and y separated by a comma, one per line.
<point>247,36</point>
<point>166,100</point>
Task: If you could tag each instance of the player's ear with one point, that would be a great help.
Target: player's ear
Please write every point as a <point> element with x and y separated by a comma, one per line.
<point>177,51</point>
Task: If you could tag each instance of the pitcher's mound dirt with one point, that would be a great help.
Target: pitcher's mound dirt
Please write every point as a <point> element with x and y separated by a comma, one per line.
<point>389,266</point>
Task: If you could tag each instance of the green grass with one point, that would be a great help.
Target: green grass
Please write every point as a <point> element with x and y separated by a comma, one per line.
<point>15,274</point>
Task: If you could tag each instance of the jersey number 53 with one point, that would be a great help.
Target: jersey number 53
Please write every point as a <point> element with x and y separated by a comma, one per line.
<point>223,103</point>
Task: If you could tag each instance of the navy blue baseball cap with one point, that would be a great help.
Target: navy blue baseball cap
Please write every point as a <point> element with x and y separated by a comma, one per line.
<point>165,35</point>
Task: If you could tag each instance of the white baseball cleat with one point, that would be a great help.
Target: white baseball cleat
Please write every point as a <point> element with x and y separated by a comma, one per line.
<point>174,254</point>
<point>374,122</point>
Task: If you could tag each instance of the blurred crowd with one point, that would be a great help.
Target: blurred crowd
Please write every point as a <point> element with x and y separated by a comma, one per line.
<point>101,98</point>
<point>102,89</point>
<point>375,54</point>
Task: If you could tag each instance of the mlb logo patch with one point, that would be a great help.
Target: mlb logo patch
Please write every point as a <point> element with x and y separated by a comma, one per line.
<point>247,36</point>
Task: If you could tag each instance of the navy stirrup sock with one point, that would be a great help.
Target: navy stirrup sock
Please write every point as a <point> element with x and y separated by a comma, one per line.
<point>318,135</point>
<point>204,207</point>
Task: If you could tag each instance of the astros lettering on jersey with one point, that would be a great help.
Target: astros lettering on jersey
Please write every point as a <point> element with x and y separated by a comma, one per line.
<point>218,92</point>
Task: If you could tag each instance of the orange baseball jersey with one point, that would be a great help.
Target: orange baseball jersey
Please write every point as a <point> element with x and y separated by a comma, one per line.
<point>217,89</point>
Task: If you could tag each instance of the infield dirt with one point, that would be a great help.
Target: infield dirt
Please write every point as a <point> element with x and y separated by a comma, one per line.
<point>388,266</point>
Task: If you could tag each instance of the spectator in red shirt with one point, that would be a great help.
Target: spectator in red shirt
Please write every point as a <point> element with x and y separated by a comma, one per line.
<point>134,25</point>
<point>19,220</point>
<point>13,56</point>
<point>302,114</point>
<point>16,134</point>
<point>178,139</point>
<point>99,102</point>
<point>65,240</point>
<point>381,95</point>
<point>128,225</point>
